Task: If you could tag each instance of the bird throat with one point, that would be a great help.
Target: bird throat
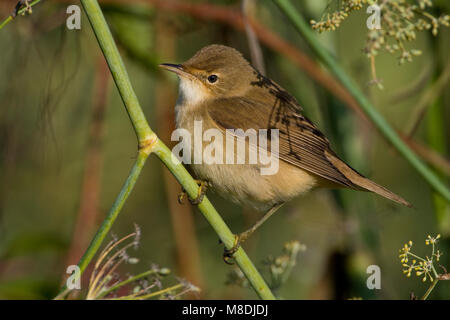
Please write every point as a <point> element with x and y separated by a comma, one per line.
<point>191,92</point>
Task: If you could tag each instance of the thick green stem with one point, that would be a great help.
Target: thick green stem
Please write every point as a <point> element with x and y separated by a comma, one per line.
<point>148,142</point>
<point>118,71</point>
<point>386,130</point>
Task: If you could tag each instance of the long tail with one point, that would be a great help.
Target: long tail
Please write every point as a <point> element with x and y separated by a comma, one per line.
<point>382,191</point>
<point>361,182</point>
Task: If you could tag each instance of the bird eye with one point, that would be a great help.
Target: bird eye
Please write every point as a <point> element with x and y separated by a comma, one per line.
<point>212,78</point>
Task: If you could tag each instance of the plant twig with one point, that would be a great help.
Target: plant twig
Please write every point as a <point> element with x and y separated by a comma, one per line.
<point>427,293</point>
<point>21,11</point>
<point>381,124</point>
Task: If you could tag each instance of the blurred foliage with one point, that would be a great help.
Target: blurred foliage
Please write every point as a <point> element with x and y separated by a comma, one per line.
<point>277,269</point>
<point>401,20</point>
<point>47,97</point>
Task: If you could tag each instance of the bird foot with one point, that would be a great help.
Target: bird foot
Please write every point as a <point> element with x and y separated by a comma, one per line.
<point>228,254</point>
<point>203,187</point>
<point>20,5</point>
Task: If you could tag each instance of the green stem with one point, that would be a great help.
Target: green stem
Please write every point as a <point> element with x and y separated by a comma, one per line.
<point>149,142</point>
<point>118,71</point>
<point>387,131</point>
<point>10,18</point>
<point>113,212</point>
<point>417,257</point>
<point>110,218</point>
<point>425,296</point>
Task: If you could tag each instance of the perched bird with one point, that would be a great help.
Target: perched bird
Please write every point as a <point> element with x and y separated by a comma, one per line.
<point>220,88</point>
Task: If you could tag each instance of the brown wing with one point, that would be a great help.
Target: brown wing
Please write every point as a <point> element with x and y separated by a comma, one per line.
<point>268,106</point>
<point>301,143</point>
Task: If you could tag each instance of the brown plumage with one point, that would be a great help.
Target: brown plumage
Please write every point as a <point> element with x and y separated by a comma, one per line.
<point>242,98</point>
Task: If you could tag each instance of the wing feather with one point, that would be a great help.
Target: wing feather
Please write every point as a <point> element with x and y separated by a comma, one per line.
<point>268,106</point>
<point>301,143</point>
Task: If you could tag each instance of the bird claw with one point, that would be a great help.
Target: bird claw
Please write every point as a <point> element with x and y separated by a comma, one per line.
<point>203,187</point>
<point>20,5</point>
<point>228,254</point>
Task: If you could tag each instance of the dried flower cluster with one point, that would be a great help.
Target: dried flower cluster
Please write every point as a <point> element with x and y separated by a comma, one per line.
<point>279,268</point>
<point>400,20</point>
<point>106,282</point>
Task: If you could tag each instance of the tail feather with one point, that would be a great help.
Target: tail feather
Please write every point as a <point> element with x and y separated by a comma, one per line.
<point>382,191</point>
<point>363,183</point>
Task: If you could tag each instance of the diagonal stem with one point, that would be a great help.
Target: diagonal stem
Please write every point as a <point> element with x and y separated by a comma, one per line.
<point>114,211</point>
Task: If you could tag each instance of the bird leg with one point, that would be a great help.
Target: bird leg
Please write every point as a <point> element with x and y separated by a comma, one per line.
<point>240,238</point>
<point>19,6</point>
<point>203,187</point>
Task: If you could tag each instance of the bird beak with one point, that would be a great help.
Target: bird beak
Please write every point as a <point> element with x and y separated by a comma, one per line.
<point>179,69</point>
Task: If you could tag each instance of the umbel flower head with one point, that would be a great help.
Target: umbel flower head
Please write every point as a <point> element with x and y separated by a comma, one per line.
<point>400,20</point>
<point>421,266</point>
<point>404,252</point>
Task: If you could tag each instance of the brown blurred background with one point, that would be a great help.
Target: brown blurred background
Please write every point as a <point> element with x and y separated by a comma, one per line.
<point>67,145</point>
